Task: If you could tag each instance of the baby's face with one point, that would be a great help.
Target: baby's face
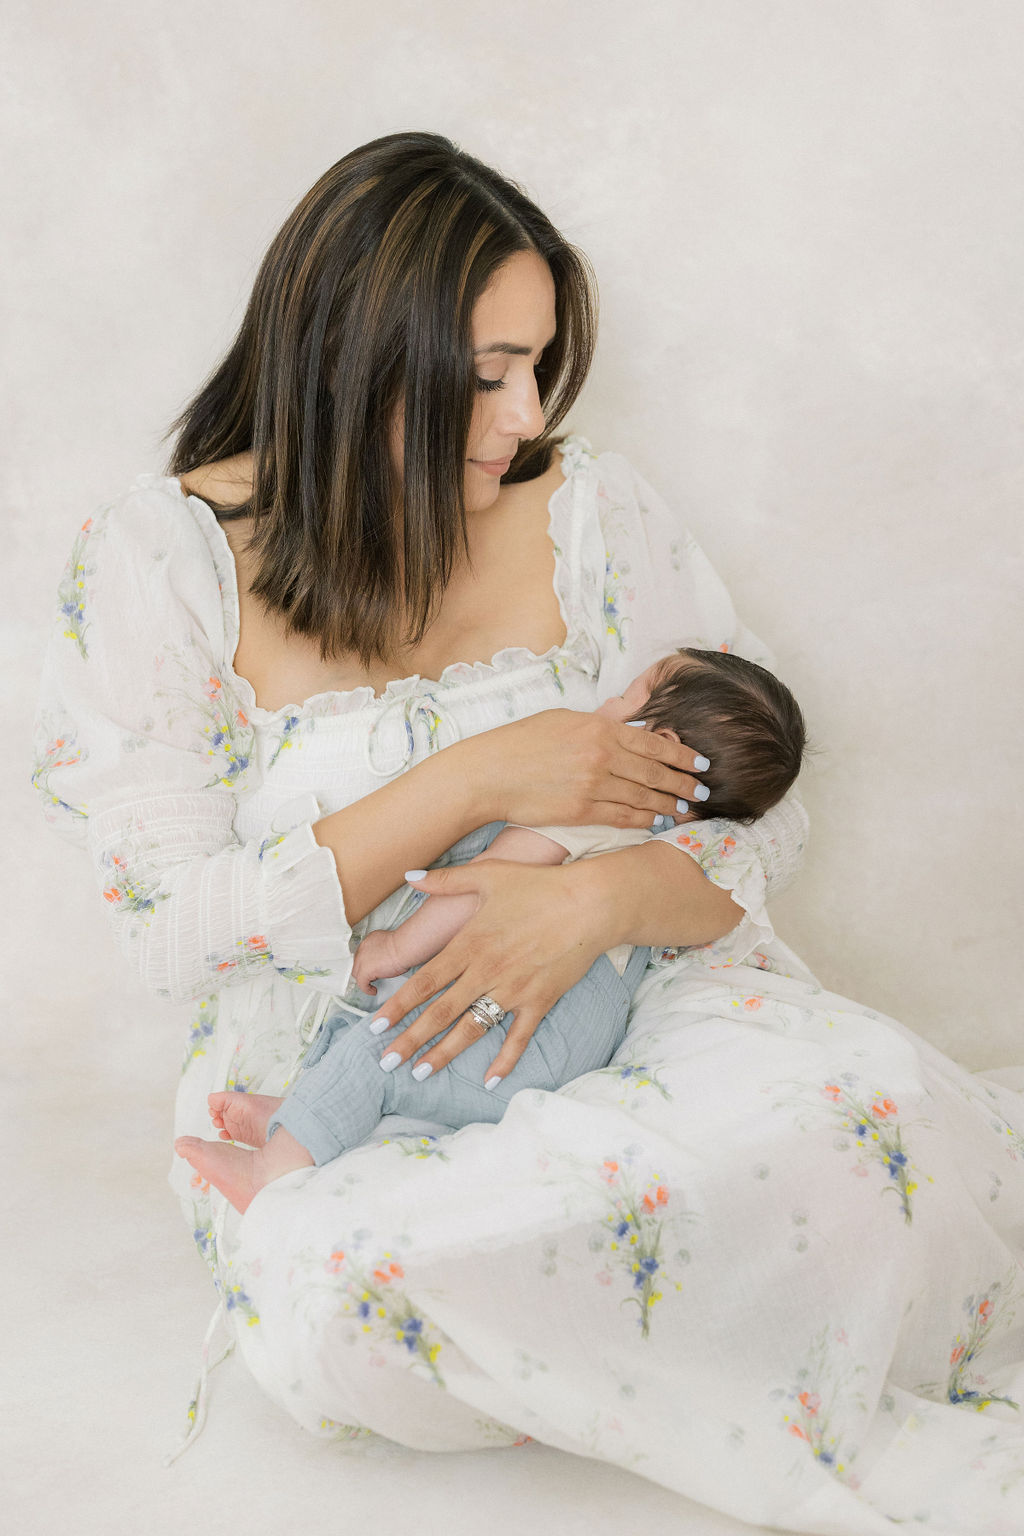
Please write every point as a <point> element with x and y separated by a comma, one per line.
<point>634,699</point>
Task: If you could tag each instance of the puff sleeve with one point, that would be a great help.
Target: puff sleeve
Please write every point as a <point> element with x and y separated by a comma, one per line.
<point>142,748</point>
<point>656,590</point>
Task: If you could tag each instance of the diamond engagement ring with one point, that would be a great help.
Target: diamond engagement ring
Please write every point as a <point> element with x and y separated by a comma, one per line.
<point>486,1011</point>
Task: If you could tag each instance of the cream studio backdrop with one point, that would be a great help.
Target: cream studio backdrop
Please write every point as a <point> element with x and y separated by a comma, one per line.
<point>804,221</point>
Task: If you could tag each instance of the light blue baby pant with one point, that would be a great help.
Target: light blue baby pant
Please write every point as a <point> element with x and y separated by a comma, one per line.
<point>342,1092</point>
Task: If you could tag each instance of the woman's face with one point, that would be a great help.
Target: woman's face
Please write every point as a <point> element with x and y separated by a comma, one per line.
<point>513,321</point>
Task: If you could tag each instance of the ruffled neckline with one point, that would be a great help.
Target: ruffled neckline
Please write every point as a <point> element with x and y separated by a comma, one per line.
<point>576,452</point>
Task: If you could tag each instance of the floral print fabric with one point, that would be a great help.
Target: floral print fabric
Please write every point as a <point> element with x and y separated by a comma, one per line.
<point>771,1256</point>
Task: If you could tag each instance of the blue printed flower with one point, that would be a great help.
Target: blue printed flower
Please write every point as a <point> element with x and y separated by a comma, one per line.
<point>411,1330</point>
<point>644,1270</point>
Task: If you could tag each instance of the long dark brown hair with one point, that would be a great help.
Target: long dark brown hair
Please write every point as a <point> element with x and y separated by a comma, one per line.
<point>365,296</point>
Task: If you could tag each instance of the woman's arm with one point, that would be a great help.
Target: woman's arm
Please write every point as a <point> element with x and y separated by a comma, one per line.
<point>649,895</point>
<point>558,766</point>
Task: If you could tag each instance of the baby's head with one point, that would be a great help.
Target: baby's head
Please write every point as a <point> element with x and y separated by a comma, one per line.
<point>740,717</point>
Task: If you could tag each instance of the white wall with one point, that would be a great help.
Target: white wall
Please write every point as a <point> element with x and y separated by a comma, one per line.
<point>807,219</point>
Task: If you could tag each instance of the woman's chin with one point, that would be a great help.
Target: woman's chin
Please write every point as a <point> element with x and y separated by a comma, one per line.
<point>480,497</point>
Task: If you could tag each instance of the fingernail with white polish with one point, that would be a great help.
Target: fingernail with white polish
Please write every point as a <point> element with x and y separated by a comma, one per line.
<point>640,723</point>
<point>700,764</point>
<point>415,874</point>
<point>492,1082</point>
<point>421,1070</point>
<point>682,807</point>
<point>379,1026</point>
<point>389,1062</point>
<point>701,792</point>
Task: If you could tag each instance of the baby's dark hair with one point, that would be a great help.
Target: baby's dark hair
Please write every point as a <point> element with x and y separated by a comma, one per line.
<point>741,717</point>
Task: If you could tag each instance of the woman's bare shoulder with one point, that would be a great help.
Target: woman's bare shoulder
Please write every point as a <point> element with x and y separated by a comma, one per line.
<point>228,482</point>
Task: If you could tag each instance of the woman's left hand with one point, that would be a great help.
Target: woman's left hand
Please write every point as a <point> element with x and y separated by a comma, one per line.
<point>532,937</point>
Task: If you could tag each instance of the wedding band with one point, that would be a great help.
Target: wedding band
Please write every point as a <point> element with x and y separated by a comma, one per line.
<point>486,1011</point>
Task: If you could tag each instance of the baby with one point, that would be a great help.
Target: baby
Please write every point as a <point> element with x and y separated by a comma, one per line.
<point>749,729</point>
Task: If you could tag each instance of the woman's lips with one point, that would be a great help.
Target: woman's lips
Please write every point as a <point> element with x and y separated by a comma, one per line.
<point>493,466</point>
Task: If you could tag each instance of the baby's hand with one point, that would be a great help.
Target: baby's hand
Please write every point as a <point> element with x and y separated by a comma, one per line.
<point>374,959</point>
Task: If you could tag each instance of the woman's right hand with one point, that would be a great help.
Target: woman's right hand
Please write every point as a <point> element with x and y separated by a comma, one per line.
<point>570,767</point>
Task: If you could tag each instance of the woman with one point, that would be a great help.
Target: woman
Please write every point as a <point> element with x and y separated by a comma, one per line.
<point>713,1262</point>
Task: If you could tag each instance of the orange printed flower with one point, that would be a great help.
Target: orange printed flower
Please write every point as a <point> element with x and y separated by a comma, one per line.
<point>884,1110</point>
<point>388,1272</point>
<point>957,1355</point>
<point>335,1261</point>
<point>112,893</point>
<point>648,1204</point>
<point>610,1170</point>
<point>728,844</point>
<point>212,687</point>
<point>241,718</point>
<point>751,1004</point>
<point>662,1195</point>
<point>686,841</point>
<point>257,941</point>
<point>86,525</point>
<point>198,1182</point>
<point>811,1401</point>
<point>832,1091</point>
<point>724,646</point>
<point>226,965</point>
<point>985,1309</point>
<point>795,1429</point>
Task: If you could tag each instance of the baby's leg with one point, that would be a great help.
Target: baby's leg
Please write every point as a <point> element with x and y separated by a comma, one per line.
<point>338,1102</point>
<point>579,1034</point>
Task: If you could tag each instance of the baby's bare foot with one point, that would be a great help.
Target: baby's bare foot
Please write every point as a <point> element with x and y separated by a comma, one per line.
<point>232,1170</point>
<point>238,1173</point>
<point>242,1116</point>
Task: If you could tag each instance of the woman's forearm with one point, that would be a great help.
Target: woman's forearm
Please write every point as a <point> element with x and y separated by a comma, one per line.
<point>406,823</point>
<point>650,894</point>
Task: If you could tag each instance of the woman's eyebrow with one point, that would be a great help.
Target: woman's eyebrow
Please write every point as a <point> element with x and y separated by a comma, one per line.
<point>509,349</point>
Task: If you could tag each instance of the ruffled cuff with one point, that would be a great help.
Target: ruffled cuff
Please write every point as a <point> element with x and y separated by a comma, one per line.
<point>732,864</point>
<point>303,913</point>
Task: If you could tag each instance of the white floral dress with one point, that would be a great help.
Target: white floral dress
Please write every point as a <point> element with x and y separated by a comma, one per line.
<point>772,1256</point>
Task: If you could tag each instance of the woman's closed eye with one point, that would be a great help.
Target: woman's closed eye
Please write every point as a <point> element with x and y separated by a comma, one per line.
<point>488,384</point>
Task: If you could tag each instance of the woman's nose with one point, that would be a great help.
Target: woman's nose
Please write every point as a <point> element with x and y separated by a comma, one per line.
<point>526,418</point>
